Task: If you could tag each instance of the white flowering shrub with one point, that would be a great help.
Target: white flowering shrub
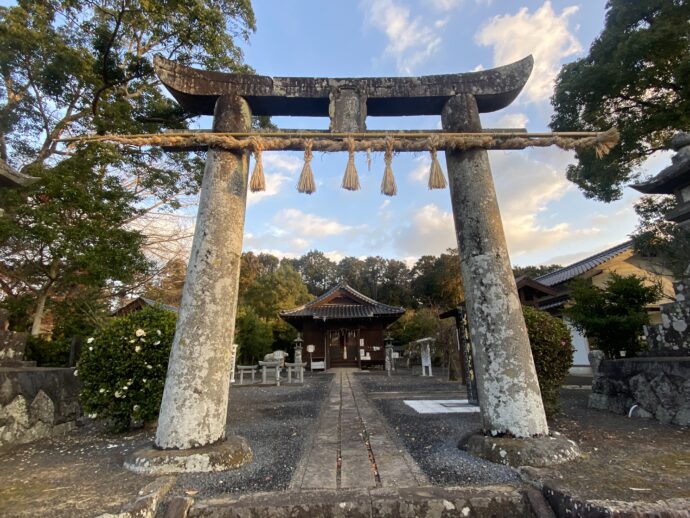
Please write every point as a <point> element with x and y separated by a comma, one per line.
<point>122,368</point>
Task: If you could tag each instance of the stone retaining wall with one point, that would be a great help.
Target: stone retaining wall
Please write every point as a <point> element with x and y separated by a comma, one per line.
<point>672,336</point>
<point>643,387</point>
<point>37,403</point>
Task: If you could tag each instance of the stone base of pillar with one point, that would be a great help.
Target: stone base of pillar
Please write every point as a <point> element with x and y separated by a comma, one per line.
<point>532,451</point>
<point>231,453</point>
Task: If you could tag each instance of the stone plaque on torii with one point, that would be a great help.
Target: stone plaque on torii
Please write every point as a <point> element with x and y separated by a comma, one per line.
<point>193,412</point>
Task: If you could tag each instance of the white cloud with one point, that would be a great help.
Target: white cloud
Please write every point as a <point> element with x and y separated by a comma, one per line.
<point>544,34</point>
<point>525,186</point>
<point>410,40</point>
<point>444,5</point>
<point>430,231</point>
<point>297,223</point>
<point>420,171</point>
<point>279,170</point>
<point>512,120</point>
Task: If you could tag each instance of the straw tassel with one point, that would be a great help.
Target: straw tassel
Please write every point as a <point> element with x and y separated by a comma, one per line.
<point>436,178</point>
<point>606,141</point>
<point>351,178</point>
<point>306,182</point>
<point>388,186</point>
<point>258,181</point>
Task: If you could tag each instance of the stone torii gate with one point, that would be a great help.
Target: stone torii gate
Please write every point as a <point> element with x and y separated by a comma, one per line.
<point>194,408</point>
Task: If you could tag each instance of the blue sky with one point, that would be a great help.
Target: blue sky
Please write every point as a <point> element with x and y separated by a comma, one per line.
<point>546,218</point>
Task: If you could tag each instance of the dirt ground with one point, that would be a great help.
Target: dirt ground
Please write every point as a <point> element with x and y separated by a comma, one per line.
<point>77,475</point>
<point>628,459</point>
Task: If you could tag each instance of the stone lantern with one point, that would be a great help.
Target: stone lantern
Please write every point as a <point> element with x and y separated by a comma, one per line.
<point>388,344</point>
<point>298,348</point>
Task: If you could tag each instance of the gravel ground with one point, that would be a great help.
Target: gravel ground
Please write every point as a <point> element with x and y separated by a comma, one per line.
<point>276,421</point>
<point>432,439</point>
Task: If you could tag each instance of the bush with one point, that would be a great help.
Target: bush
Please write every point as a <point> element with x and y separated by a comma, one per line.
<point>123,366</point>
<point>47,353</point>
<point>552,351</point>
<point>613,317</point>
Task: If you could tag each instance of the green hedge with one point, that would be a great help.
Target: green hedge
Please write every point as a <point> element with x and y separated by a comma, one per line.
<point>552,351</point>
<point>122,368</point>
<point>47,353</point>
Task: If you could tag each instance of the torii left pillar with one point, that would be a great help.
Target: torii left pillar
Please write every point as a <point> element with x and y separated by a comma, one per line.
<point>193,414</point>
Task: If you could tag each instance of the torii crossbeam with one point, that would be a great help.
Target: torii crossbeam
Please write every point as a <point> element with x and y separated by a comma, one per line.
<point>194,409</point>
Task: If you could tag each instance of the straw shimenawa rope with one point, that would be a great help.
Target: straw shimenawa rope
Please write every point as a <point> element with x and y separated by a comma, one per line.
<point>306,182</point>
<point>601,142</point>
<point>388,186</point>
<point>436,178</point>
<point>350,178</point>
<point>258,181</point>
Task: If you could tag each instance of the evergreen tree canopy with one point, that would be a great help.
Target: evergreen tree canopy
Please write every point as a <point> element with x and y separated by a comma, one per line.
<point>613,316</point>
<point>70,68</point>
<point>636,78</point>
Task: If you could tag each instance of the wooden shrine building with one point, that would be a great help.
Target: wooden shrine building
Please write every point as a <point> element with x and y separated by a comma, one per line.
<point>345,327</point>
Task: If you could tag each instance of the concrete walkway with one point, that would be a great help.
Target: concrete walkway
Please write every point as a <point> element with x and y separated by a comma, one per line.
<point>352,447</point>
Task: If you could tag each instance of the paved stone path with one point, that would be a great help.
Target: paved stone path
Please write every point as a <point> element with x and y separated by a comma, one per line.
<point>352,447</point>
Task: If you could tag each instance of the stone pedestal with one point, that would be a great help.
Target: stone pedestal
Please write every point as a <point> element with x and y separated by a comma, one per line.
<point>194,408</point>
<point>509,393</point>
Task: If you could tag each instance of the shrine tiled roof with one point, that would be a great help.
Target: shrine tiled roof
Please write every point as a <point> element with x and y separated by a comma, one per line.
<point>583,266</point>
<point>342,302</point>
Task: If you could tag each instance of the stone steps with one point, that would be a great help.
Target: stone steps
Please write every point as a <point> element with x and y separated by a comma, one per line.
<point>503,501</point>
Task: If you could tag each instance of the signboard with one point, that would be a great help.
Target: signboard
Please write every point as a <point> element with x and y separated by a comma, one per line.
<point>426,355</point>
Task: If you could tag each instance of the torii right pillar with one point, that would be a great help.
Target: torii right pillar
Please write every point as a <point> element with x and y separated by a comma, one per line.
<point>507,383</point>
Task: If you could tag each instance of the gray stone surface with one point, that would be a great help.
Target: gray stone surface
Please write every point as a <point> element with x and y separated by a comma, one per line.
<point>352,446</point>
<point>148,500</point>
<point>400,502</point>
<point>195,400</point>
<point>231,453</point>
<point>644,387</point>
<point>531,451</point>
<point>672,336</point>
<point>36,403</point>
<point>197,90</point>
<point>507,383</point>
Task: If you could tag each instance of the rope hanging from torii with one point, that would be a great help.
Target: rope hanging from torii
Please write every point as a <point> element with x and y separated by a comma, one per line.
<point>386,142</point>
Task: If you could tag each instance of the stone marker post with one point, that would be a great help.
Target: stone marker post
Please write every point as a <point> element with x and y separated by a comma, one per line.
<point>509,393</point>
<point>195,400</point>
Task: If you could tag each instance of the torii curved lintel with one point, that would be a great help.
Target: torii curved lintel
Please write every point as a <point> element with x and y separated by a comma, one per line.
<point>197,90</point>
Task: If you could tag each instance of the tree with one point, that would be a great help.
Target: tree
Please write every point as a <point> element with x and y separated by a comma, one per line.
<point>318,271</point>
<point>167,286</point>
<point>71,68</point>
<point>253,335</point>
<point>636,78</point>
<point>273,291</point>
<point>655,236</point>
<point>396,284</point>
<point>254,266</point>
<point>436,281</point>
<point>65,232</point>
<point>415,324</point>
<point>533,272</point>
<point>613,316</point>
<point>352,271</point>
